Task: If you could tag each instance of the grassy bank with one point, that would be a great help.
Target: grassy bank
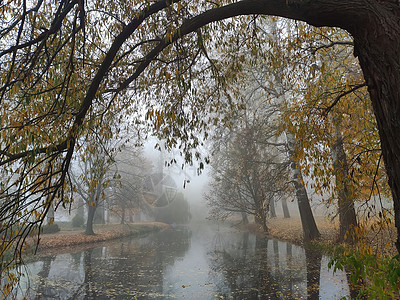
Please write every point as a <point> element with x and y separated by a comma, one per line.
<point>68,237</point>
<point>290,229</point>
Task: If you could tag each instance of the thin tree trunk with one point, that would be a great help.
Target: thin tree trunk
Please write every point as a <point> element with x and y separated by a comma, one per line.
<point>123,214</point>
<point>262,215</point>
<point>272,211</point>
<point>245,220</point>
<point>310,230</point>
<point>100,214</point>
<point>51,211</point>
<point>285,209</point>
<point>347,213</point>
<point>259,201</point>
<point>94,201</point>
<point>50,215</point>
<point>89,222</point>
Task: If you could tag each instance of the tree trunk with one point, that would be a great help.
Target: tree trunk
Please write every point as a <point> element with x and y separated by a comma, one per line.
<point>377,45</point>
<point>259,201</point>
<point>93,203</point>
<point>50,215</point>
<point>285,209</point>
<point>347,213</point>
<point>261,220</point>
<point>123,215</point>
<point>245,220</point>
<point>89,222</point>
<point>272,212</point>
<point>99,216</point>
<point>310,230</point>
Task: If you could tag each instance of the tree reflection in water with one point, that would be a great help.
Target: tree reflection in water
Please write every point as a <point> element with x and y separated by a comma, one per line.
<point>266,268</point>
<point>43,274</point>
<point>259,274</point>
<point>313,263</point>
<point>196,263</point>
<point>127,269</point>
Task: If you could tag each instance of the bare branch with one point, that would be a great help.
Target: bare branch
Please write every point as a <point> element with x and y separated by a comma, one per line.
<point>330,45</point>
<point>337,99</point>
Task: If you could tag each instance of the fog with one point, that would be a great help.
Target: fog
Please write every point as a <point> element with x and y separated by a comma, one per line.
<point>189,181</point>
<point>194,185</point>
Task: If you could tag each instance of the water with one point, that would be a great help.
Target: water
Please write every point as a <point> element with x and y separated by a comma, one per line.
<point>198,262</point>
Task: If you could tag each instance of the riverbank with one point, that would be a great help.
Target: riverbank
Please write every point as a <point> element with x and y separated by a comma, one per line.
<point>290,230</point>
<point>371,261</point>
<point>69,237</point>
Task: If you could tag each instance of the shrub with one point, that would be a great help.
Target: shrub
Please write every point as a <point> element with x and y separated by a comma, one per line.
<point>378,276</point>
<point>50,228</point>
<point>78,220</point>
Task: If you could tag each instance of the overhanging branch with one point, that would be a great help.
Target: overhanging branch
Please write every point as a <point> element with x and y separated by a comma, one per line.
<point>337,99</point>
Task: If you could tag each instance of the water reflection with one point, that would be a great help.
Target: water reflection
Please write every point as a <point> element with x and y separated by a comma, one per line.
<point>126,268</point>
<point>257,268</point>
<point>202,262</point>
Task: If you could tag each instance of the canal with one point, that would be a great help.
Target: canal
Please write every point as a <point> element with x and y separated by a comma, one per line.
<point>201,261</point>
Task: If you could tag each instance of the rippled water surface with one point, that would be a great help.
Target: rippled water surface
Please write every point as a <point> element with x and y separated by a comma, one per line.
<point>197,262</point>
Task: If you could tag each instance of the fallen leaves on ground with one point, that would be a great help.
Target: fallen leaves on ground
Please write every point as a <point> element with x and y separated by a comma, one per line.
<point>102,233</point>
<point>291,230</point>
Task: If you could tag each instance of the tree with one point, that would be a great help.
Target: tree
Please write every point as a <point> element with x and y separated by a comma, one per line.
<point>124,195</point>
<point>250,169</point>
<point>310,230</point>
<point>109,174</point>
<point>347,214</point>
<point>53,82</point>
<point>247,177</point>
<point>91,182</point>
<point>333,123</point>
<point>273,75</point>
